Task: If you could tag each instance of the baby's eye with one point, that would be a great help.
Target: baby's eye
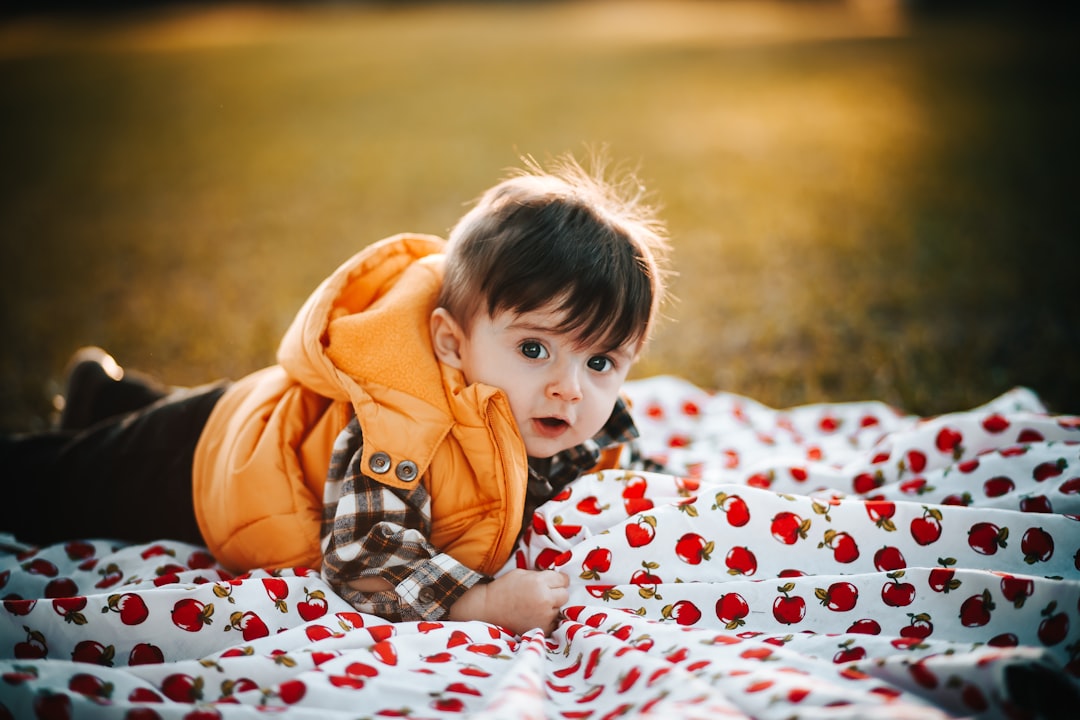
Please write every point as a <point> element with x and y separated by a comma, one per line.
<point>533,350</point>
<point>599,363</point>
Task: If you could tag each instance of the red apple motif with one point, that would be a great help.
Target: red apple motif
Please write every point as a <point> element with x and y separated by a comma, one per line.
<point>915,486</point>
<point>18,606</point>
<point>889,558</point>
<point>78,550</point>
<point>1037,545</point>
<point>1046,470</point>
<point>968,466</point>
<point>52,706</point>
<point>985,538</point>
<point>61,587</point>
<point>70,608</point>
<point>914,460</point>
<point>1036,504</point>
<point>132,608</point>
<point>1004,640</point>
<point>731,608</point>
<point>1017,590</point>
<point>949,441</point>
<point>849,652</point>
<point>868,482</point>
<point>565,530</point>
<point>596,562</point>
<point>91,651</point>
<point>191,615</point>
<point>975,611</point>
<point>33,648</point>
<point>865,626</point>
<point>838,597</point>
<point>692,548</point>
<point>591,506</point>
<point>292,691</point>
<point>250,624</point>
<point>736,509</point>
<point>923,675</point>
<point>277,590</point>
<point>316,632</point>
<point>634,500</point>
<point>200,560</point>
<point>313,606</point>
<point>789,528</point>
<point>788,609</point>
<point>844,548</point>
<point>741,561</point>
<point>973,698</point>
<point>941,578</point>
<point>761,480</point>
<point>385,652</point>
<point>40,566</point>
<point>110,575</point>
<point>881,513</point>
<point>145,654</point>
<point>919,626</point>
<point>545,559</point>
<point>646,580</point>
<point>682,612</point>
<point>641,532</point>
<point>143,695</point>
<point>90,685</point>
<point>1070,486</point>
<point>926,530</point>
<point>1030,435</point>
<point>998,486</point>
<point>896,593</point>
<point>1054,627</point>
<point>180,687</point>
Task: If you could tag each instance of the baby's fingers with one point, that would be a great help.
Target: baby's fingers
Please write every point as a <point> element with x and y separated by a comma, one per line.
<point>556,579</point>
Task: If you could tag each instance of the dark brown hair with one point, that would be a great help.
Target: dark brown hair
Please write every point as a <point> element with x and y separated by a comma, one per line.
<point>592,247</point>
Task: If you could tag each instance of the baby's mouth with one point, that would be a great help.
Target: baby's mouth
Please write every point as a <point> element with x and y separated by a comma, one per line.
<point>550,426</point>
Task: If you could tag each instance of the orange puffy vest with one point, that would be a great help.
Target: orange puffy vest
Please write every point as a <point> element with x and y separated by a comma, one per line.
<point>360,344</point>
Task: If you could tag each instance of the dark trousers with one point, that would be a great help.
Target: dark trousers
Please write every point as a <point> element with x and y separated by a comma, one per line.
<point>127,477</point>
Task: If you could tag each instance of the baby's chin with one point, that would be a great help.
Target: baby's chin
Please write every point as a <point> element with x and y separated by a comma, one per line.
<point>545,449</point>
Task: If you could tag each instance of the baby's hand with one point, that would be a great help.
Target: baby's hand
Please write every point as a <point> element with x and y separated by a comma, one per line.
<point>519,600</point>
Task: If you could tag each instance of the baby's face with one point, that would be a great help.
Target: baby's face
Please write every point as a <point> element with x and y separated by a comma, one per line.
<point>560,393</point>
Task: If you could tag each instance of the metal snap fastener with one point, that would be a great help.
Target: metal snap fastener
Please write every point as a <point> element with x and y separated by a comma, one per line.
<point>427,595</point>
<point>379,463</point>
<point>406,470</point>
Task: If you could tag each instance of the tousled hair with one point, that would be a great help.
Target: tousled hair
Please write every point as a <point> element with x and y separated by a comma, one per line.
<point>590,245</point>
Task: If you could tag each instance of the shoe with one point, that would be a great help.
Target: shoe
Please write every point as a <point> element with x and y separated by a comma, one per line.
<point>98,388</point>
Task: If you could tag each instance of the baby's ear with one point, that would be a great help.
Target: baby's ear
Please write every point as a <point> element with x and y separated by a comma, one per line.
<point>447,337</point>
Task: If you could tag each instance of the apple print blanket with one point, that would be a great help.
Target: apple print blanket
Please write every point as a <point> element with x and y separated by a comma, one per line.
<point>840,561</point>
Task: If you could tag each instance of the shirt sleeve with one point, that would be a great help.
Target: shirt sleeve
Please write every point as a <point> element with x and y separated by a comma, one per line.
<point>373,530</point>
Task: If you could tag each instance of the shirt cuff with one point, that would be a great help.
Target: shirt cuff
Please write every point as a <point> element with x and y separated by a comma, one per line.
<point>434,585</point>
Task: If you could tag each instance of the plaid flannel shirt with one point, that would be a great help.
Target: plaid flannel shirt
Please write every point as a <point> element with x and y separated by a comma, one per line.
<point>372,530</point>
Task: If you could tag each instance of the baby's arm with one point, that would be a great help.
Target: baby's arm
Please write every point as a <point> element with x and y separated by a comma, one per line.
<point>376,552</point>
<point>519,600</point>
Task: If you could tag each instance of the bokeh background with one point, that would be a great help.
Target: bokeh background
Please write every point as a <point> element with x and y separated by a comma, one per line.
<point>867,200</point>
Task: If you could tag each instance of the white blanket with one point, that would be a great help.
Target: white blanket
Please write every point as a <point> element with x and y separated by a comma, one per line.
<point>832,561</point>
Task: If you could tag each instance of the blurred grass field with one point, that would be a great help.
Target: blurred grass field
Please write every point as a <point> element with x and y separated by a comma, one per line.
<point>865,202</point>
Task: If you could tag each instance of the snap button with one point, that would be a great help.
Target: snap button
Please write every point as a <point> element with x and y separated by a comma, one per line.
<point>379,463</point>
<point>427,595</point>
<point>406,470</point>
